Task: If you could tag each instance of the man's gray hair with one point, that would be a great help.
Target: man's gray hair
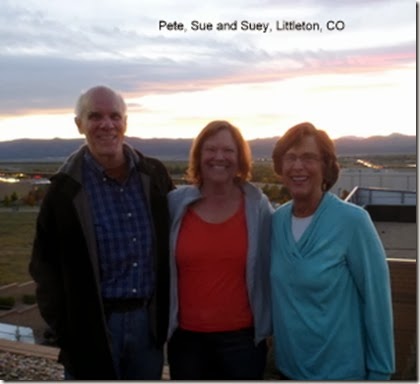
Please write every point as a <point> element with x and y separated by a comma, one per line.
<point>83,100</point>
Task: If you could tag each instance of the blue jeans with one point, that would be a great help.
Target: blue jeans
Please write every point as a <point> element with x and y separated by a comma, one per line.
<point>228,355</point>
<point>135,355</point>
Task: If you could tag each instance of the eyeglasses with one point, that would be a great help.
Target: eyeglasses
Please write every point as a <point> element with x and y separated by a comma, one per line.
<point>305,159</point>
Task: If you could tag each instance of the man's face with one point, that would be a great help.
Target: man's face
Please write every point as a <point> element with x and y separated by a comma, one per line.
<point>104,123</point>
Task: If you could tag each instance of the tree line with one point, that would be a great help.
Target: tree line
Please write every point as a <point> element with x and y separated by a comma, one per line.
<point>262,173</point>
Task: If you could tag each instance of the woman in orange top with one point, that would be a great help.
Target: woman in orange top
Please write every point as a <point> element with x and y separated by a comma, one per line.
<point>220,311</point>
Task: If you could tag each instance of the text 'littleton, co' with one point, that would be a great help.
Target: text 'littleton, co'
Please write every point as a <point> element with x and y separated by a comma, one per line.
<point>252,26</point>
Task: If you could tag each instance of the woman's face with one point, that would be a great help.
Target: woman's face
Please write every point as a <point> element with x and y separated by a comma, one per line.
<point>219,158</point>
<point>302,170</point>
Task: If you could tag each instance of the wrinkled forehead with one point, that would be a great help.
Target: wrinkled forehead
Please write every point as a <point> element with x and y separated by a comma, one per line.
<point>103,97</point>
<point>104,101</point>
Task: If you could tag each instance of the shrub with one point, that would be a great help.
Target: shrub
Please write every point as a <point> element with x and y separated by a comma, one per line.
<point>28,299</point>
<point>7,302</point>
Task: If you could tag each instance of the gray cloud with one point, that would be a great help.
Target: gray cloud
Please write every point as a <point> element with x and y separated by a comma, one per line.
<point>46,61</point>
<point>54,83</point>
<point>44,82</point>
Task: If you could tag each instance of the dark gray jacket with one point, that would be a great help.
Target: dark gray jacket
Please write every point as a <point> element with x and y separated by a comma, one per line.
<point>64,264</point>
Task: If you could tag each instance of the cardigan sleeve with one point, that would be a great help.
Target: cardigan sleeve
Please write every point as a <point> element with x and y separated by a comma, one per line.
<point>369,269</point>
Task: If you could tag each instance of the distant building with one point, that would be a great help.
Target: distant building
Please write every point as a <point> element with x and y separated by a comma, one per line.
<point>380,178</point>
<point>394,215</point>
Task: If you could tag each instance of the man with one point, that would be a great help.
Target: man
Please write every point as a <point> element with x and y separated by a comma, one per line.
<point>100,255</point>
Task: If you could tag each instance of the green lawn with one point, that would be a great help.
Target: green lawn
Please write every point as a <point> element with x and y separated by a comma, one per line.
<point>16,236</point>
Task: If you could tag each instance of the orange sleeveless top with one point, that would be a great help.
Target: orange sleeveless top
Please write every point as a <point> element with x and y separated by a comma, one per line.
<point>211,260</point>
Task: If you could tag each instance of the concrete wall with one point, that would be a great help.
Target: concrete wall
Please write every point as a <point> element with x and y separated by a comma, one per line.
<point>399,239</point>
<point>26,316</point>
<point>23,315</point>
<point>18,290</point>
<point>383,178</point>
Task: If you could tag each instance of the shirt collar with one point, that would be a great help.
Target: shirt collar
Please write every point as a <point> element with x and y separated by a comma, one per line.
<point>93,164</point>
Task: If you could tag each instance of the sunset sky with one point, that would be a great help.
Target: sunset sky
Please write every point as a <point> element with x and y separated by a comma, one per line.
<point>359,81</point>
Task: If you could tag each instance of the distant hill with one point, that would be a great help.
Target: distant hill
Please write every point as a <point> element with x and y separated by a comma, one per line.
<point>377,145</point>
<point>178,149</point>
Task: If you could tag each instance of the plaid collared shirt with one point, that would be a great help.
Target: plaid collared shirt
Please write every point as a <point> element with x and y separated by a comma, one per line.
<point>123,229</point>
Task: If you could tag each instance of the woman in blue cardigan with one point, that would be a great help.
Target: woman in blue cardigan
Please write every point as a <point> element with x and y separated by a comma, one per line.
<point>332,309</point>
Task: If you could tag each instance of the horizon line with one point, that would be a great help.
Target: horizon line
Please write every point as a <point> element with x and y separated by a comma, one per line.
<point>192,138</point>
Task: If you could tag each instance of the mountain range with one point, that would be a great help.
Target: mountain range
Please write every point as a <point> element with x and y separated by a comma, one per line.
<point>178,149</point>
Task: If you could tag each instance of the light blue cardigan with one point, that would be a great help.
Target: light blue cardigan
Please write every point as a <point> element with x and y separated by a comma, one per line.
<point>332,310</point>
<point>258,212</point>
